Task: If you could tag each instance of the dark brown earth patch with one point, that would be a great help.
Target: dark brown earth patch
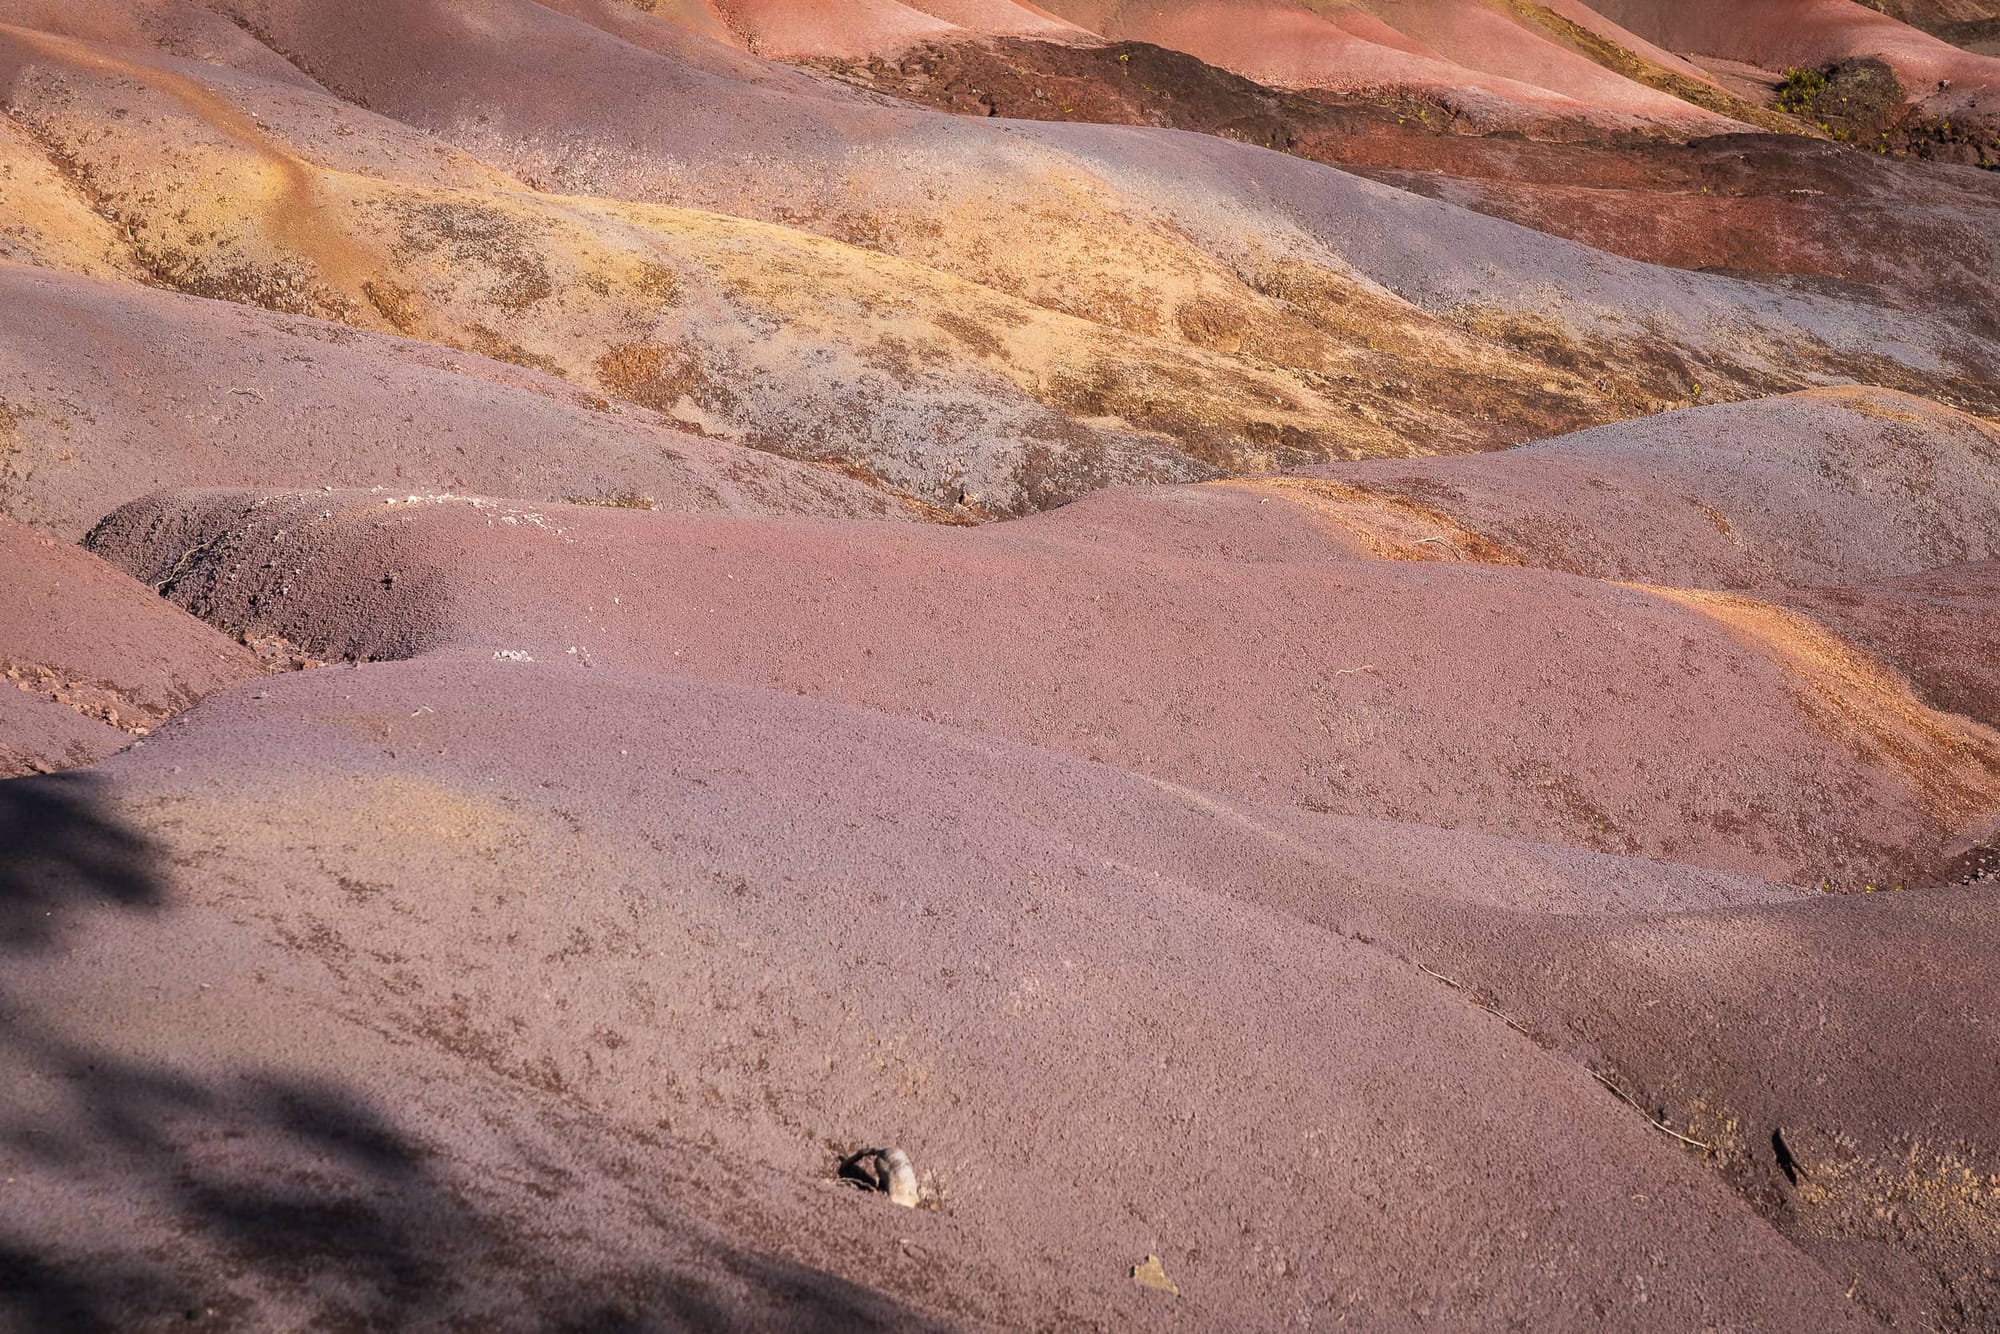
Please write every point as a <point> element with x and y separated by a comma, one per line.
<point>1135,83</point>
<point>650,374</point>
<point>1784,203</point>
<point>1861,102</point>
<point>1978,35</point>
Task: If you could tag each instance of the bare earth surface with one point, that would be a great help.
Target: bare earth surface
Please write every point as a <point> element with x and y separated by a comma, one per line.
<point>1340,661</point>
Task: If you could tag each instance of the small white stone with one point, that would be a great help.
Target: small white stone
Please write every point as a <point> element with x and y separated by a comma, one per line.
<point>901,1178</point>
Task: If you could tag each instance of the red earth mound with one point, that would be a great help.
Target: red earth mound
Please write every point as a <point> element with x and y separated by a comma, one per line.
<point>1208,637</point>
<point>790,28</point>
<point>1940,627</point>
<point>1783,34</point>
<point>89,659</point>
<point>1487,60</point>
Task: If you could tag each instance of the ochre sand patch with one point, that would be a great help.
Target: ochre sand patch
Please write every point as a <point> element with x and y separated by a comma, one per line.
<point>1952,763</point>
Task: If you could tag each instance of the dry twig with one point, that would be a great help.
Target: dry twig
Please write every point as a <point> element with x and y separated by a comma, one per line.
<point>1443,542</point>
<point>1655,1123</point>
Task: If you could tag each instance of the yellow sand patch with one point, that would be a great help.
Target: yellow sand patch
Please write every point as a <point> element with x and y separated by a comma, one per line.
<point>282,186</point>
<point>1950,763</point>
<point>1088,307</point>
<point>45,219</point>
<point>1894,405</point>
<point>1389,526</point>
<point>1936,1203</point>
<point>384,810</point>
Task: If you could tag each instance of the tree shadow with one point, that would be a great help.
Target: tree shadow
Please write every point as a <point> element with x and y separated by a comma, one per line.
<point>59,851</point>
<point>240,1199</point>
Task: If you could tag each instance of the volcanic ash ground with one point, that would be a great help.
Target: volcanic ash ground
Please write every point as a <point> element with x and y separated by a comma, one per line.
<point>1219,665</point>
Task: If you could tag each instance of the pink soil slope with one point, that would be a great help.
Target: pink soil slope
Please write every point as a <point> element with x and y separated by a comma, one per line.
<point>1823,487</point>
<point>89,659</point>
<point>1225,638</point>
<point>1446,45</point>
<point>1940,627</point>
<point>862,27</point>
<point>1783,34</point>
<point>1390,885</point>
<point>1488,39</point>
<point>1104,1017</point>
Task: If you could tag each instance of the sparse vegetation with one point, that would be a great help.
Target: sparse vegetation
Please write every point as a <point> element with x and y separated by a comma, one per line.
<point>626,499</point>
<point>1800,92</point>
<point>396,303</point>
<point>488,343</point>
<point>1936,1204</point>
<point>473,238</point>
<point>288,285</point>
<point>1861,102</point>
<point>658,281</point>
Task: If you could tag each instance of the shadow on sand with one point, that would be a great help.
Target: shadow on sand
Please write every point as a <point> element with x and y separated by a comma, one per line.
<point>238,1200</point>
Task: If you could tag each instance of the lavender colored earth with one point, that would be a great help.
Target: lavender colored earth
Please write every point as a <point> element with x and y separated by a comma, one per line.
<point>1338,662</point>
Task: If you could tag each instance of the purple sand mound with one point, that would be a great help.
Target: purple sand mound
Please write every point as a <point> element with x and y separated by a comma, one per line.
<point>1106,1018</point>
<point>1276,665</point>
